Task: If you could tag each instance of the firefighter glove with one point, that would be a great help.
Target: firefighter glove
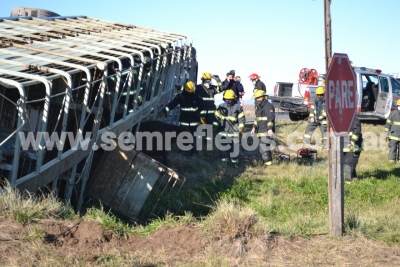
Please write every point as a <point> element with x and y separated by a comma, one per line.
<point>202,120</point>
<point>241,130</point>
<point>320,118</point>
<point>350,148</point>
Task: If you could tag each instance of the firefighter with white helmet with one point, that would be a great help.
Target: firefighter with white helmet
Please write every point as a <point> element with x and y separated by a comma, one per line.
<point>190,109</point>
<point>392,128</point>
<point>231,118</point>
<point>264,125</point>
<point>258,84</point>
<point>317,117</point>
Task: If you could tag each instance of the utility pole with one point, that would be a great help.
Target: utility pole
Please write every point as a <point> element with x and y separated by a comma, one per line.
<point>328,34</point>
<point>335,146</point>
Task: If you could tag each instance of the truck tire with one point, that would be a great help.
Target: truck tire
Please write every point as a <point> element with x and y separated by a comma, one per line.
<point>297,117</point>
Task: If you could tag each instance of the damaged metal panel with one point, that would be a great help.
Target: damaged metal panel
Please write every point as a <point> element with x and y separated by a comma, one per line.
<point>123,181</point>
<point>82,75</point>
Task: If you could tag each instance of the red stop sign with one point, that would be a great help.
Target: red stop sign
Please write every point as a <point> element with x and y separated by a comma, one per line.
<point>341,94</point>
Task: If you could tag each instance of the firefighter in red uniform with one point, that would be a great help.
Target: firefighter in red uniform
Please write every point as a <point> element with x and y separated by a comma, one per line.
<point>264,125</point>
<point>231,118</point>
<point>392,128</point>
<point>190,108</point>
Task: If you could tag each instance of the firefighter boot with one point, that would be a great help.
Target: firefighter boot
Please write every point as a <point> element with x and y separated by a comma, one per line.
<point>347,172</point>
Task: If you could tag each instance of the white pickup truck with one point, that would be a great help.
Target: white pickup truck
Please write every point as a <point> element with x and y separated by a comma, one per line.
<point>296,98</point>
<point>377,94</point>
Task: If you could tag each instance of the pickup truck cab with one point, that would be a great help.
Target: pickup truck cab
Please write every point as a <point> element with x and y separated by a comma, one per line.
<point>294,98</point>
<point>377,94</point>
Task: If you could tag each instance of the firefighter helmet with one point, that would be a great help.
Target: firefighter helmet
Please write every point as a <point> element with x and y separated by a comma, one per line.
<point>320,91</point>
<point>189,87</point>
<point>206,76</point>
<point>254,76</point>
<point>259,93</point>
<point>398,102</point>
<point>229,94</point>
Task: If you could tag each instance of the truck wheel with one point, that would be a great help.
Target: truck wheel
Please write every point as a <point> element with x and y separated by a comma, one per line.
<point>297,117</point>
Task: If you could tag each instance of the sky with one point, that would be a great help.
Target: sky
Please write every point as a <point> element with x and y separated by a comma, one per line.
<point>275,39</point>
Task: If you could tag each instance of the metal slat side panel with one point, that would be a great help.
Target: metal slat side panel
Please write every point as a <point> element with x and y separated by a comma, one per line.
<point>35,44</point>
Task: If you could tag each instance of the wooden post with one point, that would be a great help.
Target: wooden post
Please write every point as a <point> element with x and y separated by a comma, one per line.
<point>335,146</point>
<point>328,34</point>
<point>336,185</point>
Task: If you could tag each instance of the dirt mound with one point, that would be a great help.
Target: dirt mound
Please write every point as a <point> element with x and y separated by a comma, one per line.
<point>86,243</point>
<point>178,242</point>
<point>82,235</point>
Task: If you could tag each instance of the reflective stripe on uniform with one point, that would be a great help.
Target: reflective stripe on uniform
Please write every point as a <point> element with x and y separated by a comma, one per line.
<point>208,98</point>
<point>394,138</point>
<point>222,117</point>
<point>189,124</point>
<point>189,109</point>
<point>262,134</point>
<point>207,111</point>
<point>261,118</point>
<point>228,134</point>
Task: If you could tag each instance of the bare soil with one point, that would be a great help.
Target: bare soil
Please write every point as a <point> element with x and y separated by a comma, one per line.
<point>185,244</point>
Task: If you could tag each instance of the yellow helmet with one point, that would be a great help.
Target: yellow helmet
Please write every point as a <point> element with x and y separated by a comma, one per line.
<point>189,87</point>
<point>229,94</point>
<point>258,93</point>
<point>320,91</point>
<point>398,102</point>
<point>206,76</point>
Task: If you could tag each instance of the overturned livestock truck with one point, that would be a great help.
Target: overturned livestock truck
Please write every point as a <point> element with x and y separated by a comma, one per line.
<point>67,80</point>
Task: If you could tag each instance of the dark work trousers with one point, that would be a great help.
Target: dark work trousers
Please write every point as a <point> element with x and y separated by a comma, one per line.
<point>208,141</point>
<point>350,163</point>
<point>393,149</point>
<point>193,151</point>
<point>265,149</point>
<point>233,143</point>
<point>311,128</point>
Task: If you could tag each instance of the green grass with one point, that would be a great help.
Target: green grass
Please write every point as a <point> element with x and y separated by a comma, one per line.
<point>28,208</point>
<point>249,200</point>
<point>292,199</point>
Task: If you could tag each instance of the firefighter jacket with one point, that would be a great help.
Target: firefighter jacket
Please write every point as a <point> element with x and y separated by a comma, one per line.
<point>353,142</point>
<point>190,107</point>
<point>265,118</point>
<point>231,118</point>
<point>392,126</point>
<point>207,94</point>
<point>260,86</point>
<point>318,111</point>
